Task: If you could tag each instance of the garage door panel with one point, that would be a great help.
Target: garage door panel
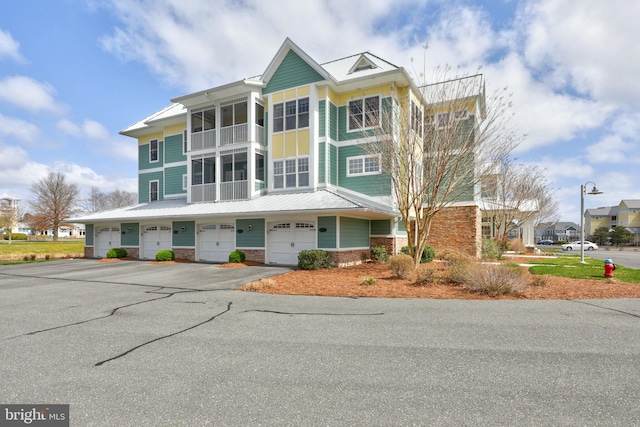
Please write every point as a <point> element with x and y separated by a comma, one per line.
<point>106,238</point>
<point>155,238</point>
<point>216,242</point>
<point>288,238</point>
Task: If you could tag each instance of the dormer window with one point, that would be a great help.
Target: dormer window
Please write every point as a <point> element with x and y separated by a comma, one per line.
<point>363,63</point>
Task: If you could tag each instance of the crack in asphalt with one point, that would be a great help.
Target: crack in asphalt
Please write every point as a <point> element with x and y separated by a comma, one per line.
<point>607,308</point>
<point>131,350</point>
<point>113,312</point>
<point>311,314</point>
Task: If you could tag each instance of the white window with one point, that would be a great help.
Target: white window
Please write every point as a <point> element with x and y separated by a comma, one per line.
<point>185,181</point>
<point>203,170</point>
<point>153,191</point>
<point>416,118</point>
<point>153,150</point>
<point>364,113</point>
<point>291,115</point>
<point>202,121</point>
<point>363,165</point>
<point>291,173</point>
<point>184,142</point>
<point>461,114</point>
<point>259,166</point>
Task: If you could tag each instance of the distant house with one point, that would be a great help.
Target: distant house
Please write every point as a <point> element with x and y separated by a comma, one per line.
<point>567,231</point>
<point>626,214</point>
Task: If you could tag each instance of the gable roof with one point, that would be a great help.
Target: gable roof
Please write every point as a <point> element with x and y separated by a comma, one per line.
<point>287,47</point>
<point>632,203</point>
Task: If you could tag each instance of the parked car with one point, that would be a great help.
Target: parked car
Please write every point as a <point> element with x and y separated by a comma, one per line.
<point>545,242</point>
<point>576,245</point>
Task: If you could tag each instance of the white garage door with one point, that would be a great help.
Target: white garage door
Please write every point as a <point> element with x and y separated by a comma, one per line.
<point>154,239</point>
<point>216,242</point>
<point>107,237</point>
<point>288,238</point>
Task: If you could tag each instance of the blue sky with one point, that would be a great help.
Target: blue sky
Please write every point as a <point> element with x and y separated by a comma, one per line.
<point>73,73</point>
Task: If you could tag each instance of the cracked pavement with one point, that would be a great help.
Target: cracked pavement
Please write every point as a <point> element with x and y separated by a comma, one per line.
<point>131,343</point>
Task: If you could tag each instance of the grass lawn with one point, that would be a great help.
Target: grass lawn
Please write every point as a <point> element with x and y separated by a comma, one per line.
<point>570,266</point>
<point>18,249</point>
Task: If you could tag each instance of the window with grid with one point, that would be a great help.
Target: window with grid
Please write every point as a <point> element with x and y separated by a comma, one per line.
<point>364,113</point>
<point>363,165</point>
<point>291,115</point>
<point>153,191</point>
<point>153,150</point>
<point>291,173</point>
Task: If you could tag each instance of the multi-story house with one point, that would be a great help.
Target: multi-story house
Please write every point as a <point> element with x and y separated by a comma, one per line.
<point>626,214</point>
<point>274,165</point>
<point>558,231</point>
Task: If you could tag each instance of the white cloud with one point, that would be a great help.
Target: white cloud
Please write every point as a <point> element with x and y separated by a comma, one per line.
<point>9,48</point>
<point>28,94</point>
<point>102,141</point>
<point>20,129</point>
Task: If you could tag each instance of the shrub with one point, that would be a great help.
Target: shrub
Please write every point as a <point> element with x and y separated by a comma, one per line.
<point>236,256</point>
<point>117,253</point>
<point>425,275</point>
<point>490,249</point>
<point>539,280</point>
<point>517,245</point>
<point>165,255</point>
<point>15,236</point>
<point>368,281</point>
<point>457,263</point>
<point>401,265</point>
<point>494,280</point>
<point>379,254</point>
<point>32,257</point>
<point>315,259</point>
<point>427,254</point>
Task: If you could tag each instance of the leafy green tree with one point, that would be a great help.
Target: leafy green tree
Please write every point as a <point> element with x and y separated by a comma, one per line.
<point>601,235</point>
<point>620,236</point>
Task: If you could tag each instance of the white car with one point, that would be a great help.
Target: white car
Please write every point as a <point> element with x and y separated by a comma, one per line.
<point>576,245</point>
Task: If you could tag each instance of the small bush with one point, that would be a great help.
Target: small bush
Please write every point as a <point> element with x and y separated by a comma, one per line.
<point>379,254</point>
<point>165,255</point>
<point>237,256</point>
<point>494,280</point>
<point>315,259</point>
<point>47,257</point>
<point>427,254</point>
<point>117,253</point>
<point>401,265</point>
<point>32,257</point>
<point>368,281</point>
<point>490,249</point>
<point>539,280</point>
<point>516,245</point>
<point>425,276</point>
<point>457,264</point>
<point>15,236</point>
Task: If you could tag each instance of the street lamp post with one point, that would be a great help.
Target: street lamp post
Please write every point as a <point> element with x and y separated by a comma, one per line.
<point>582,193</point>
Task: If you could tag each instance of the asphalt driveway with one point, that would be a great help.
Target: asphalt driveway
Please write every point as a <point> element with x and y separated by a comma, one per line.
<point>131,343</point>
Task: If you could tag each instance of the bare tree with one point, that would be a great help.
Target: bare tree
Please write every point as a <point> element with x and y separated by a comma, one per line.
<point>99,201</point>
<point>437,143</point>
<point>9,215</point>
<point>517,194</point>
<point>55,200</point>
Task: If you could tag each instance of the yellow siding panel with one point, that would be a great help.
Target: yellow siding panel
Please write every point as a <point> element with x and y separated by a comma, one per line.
<point>277,146</point>
<point>304,91</point>
<point>277,97</point>
<point>322,92</point>
<point>384,90</point>
<point>303,143</point>
<point>145,139</point>
<point>175,129</point>
<point>333,96</point>
<point>290,94</point>
<point>290,144</point>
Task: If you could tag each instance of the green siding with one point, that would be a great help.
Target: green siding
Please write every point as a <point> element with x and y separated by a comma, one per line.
<point>321,163</point>
<point>143,185</point>
<point>322,117</point>
<point>130,237</point>
<point>333,164</point>
<point>143,157</point>
<point>371,185</point>
<point>173,176</point>
<point>173,152</point>
<point>327,239</point>
<point>186,237</point>
<point>381,227</point>
<point>354,233</point>
<point>250,238</point>
<point>292,72</point>
<point>333,121</point>
<point>88,235</point>
<point>345,135</point>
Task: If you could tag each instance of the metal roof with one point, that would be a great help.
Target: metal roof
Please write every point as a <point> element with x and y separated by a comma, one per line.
<point>318,201</point>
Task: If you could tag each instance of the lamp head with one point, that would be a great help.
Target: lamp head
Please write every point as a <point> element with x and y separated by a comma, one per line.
<point>595,190</point>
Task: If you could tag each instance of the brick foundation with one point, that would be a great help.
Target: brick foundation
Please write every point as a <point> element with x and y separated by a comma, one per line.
<point>357,256</point>
<point>391,244</point>
<point>133,252</point>
<point>184,253</point>
<point>256,255</point>
<point>88,252</point>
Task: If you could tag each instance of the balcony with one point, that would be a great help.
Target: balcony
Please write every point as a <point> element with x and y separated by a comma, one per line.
<point>235,190</point>
<point>203,193</point>
<point>234,134</point>
<point>202,140</point>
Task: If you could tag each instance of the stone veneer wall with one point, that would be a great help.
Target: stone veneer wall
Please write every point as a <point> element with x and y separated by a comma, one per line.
<point>184,253</point>
<point>88,252</point>
<point>391,244</point>
<point>459,228</point>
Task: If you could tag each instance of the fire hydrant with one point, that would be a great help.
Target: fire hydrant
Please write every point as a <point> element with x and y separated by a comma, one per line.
<point>609,266</point>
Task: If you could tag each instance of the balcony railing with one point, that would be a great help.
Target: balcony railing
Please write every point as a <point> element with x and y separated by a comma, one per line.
<point>202,140</point>
<point>203,193</point>
<point>234,134</point>
<point>236,190</point>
